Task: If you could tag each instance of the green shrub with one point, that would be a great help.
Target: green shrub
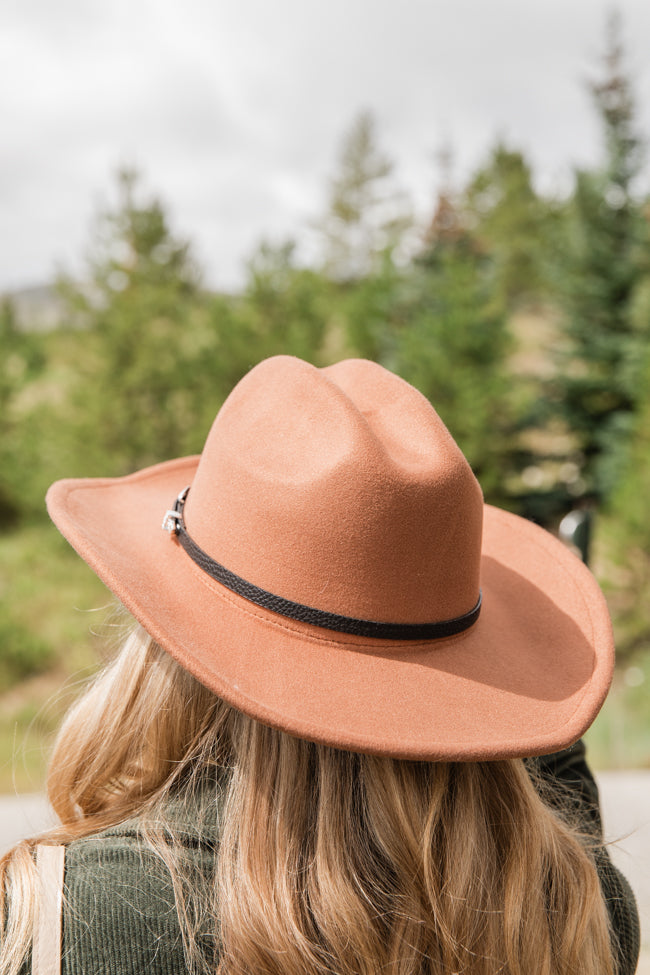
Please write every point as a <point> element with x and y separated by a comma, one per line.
<point>22,653</point>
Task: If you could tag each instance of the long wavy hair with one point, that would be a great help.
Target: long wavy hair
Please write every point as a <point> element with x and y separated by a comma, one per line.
<point>329,861</point>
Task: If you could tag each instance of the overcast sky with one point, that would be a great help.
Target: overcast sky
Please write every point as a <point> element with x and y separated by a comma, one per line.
<point>234,111</point>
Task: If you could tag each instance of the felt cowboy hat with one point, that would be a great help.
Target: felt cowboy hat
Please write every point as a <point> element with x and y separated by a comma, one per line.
<point>327,565</point>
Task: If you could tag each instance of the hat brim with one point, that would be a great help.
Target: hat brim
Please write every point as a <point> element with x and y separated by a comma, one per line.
<point>527,679</point>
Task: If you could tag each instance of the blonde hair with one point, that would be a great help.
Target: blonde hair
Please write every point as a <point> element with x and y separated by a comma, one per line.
<point>329,861</point>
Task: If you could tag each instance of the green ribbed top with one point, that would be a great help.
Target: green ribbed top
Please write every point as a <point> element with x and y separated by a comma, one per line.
<point>120,915</point>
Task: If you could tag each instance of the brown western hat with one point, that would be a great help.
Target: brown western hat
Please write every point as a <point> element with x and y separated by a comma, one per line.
<point>329,568</point>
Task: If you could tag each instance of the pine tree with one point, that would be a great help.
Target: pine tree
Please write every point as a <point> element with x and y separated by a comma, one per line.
<point>283,310</point>
<point>21,363</point>
<point>600,273</point>
<point>145,345</point>
<point>512,222</point>
<point>453,345</point>
<point>366,215</point>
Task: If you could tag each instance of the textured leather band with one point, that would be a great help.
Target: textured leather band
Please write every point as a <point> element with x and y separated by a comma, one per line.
<point>174,523</point>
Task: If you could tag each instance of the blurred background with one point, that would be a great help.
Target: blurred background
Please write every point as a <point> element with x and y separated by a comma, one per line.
<point>459,191</point>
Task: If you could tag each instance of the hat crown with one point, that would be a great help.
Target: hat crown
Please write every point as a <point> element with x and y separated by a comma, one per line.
<point>341,489</point>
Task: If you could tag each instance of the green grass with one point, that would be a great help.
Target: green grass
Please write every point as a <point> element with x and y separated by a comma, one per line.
<point>46,589</point>
<point>26,732</point>
<point>53,608</point>
<point>620,736</point>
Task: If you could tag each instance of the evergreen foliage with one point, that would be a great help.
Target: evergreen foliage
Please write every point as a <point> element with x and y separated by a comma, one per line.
<point>143,389</point>
<point>366,215</point>
<point>600,273</point>
<point>368,314</point>
<point>453,343</point>
<point>512,224</point>
<point>21,362</point>
<point>285,307</point>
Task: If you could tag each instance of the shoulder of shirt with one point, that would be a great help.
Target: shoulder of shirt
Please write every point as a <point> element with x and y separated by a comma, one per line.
<point>120,916</point>
<point>191,819</point>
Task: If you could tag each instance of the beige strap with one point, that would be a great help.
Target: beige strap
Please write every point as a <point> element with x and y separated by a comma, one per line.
<point>46,951</point>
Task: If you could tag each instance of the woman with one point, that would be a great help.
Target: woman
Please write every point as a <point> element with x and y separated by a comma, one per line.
<point>309,756</point>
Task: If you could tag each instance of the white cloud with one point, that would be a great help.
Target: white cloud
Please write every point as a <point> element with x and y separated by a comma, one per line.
<point>235,111</point>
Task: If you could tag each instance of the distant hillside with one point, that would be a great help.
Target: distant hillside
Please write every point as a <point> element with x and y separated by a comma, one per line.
<point>38,309</point>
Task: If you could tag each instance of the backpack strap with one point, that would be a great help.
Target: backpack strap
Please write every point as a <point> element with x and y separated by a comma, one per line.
<point>46,950</point>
